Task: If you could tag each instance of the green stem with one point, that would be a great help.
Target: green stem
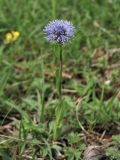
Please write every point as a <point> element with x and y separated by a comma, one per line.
<point>42,94</point>
<point>60,72</point>
<point>42,109</point>
<point>59,109</point>
<point>53,9</point>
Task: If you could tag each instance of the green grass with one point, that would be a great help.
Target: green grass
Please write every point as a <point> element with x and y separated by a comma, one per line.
<point>26,83</point>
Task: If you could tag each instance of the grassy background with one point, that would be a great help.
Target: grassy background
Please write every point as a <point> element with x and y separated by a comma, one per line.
<point>27,65</point>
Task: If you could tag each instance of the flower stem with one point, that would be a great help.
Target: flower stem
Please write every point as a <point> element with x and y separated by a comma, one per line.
<point>53,9</point>
<point>60,72</point>
<point>59,112</point>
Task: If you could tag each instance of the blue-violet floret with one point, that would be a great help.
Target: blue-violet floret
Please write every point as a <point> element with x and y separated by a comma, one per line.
<point>59,31</point>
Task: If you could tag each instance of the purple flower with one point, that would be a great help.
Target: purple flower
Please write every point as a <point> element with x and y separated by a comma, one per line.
<point>59,31</point>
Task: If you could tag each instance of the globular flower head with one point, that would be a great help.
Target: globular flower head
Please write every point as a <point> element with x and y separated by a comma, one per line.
<point>59,31</point>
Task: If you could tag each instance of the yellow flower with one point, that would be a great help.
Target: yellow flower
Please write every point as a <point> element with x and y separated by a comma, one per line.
<point>11,36</point>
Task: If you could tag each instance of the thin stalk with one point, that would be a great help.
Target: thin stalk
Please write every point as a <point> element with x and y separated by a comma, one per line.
<point>42,109</point>
<point>54,9</point>
<point>41,106</point>
<point>41,95</point>
<point>59,109</point>
<point>60,72</point>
